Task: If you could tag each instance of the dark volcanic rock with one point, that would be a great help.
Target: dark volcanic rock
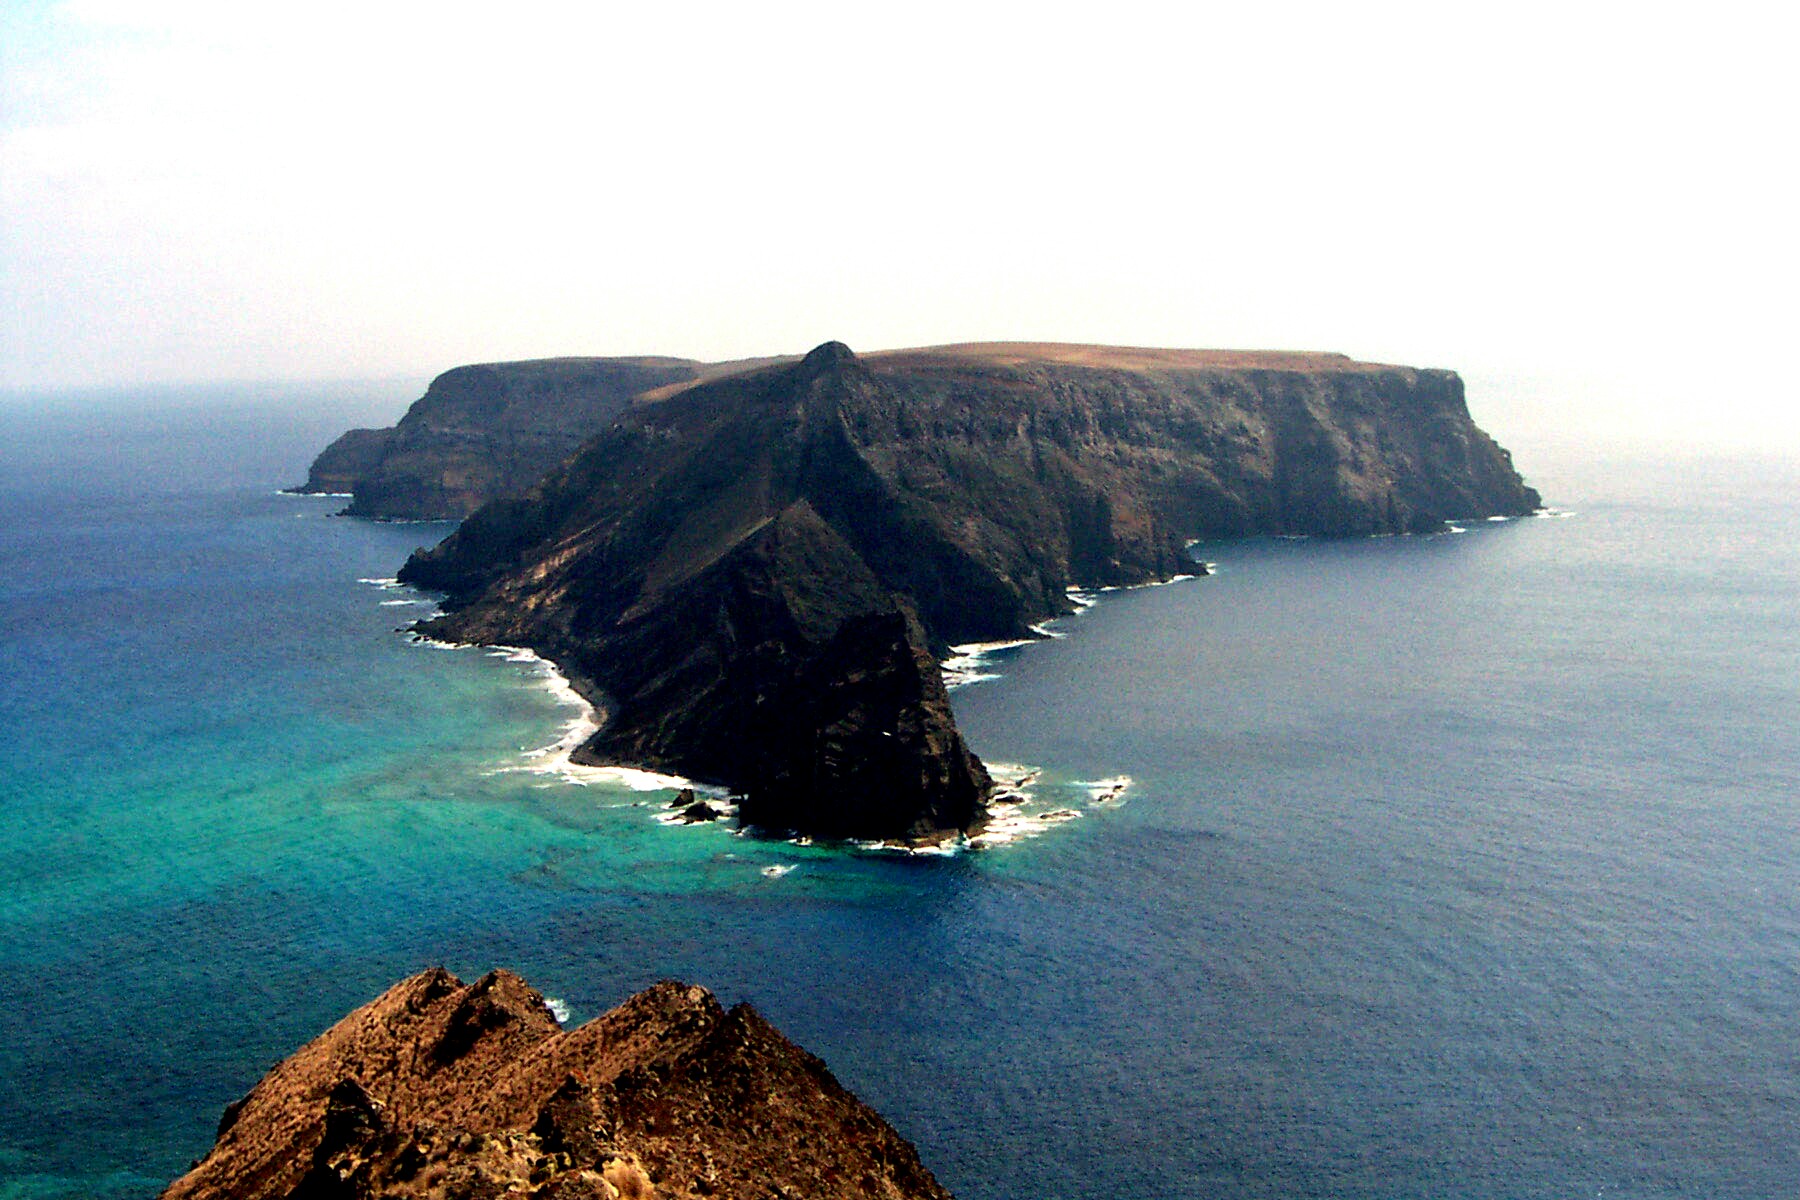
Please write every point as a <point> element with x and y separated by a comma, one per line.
<point>437,1089</point>
<point>750,575</point>
<point>483,432</point>
<point>861,743</point>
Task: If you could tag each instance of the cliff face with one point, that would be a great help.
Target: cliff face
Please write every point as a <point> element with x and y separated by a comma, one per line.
<point>749,572</point>
<point>481,432</point>
<point>440,1089</point>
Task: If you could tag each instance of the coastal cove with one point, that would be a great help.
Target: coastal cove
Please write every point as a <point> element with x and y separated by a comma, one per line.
<point>1452,865</point>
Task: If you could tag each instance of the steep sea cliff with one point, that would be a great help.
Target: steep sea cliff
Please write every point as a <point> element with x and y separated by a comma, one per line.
<point>489,430</point>
<point>482,431</point>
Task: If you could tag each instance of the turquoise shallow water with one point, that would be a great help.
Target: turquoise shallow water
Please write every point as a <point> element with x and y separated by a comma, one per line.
<point>1458,866</point>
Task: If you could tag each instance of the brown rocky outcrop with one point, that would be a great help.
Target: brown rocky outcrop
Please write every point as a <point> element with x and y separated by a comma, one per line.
<point>445,1090</point>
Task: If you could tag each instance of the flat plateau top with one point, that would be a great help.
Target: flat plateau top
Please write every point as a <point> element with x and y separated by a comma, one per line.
<point>1132,358</point>
<point>1072,354</point>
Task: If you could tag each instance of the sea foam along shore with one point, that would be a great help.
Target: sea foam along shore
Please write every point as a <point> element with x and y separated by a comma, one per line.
<point>410,597</point>
<point>971,662</point>
<point>1021,809</point>
<point>1018,811</point>
<point>557,757</point>
<point>968,662</point>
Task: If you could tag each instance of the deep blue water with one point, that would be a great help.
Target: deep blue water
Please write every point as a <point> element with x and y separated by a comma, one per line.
<point>1461,866</point>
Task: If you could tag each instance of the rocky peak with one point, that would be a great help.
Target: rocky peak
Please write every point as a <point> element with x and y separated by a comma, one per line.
<point>668,1095</point>
<point>825,356</point>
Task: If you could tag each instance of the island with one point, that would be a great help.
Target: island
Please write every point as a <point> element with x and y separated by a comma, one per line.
<point>438,1088</point>
<point>753,571</point>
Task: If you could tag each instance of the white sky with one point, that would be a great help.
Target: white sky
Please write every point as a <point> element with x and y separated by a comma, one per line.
<point>194,191</point>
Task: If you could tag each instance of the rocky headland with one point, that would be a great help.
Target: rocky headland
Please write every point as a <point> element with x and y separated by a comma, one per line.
<point>753,572</point>
<point>485,431</point>
<point>472,1092</point>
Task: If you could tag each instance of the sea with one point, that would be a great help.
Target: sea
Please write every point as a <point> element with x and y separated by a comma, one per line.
<point>1463,865</point>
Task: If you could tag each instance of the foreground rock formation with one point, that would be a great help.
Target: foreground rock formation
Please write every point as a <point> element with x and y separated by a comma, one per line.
<point>752,574</point>
<point>445,1090</point>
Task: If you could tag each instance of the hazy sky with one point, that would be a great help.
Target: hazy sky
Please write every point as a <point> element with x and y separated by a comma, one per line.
<point>194,191</point>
